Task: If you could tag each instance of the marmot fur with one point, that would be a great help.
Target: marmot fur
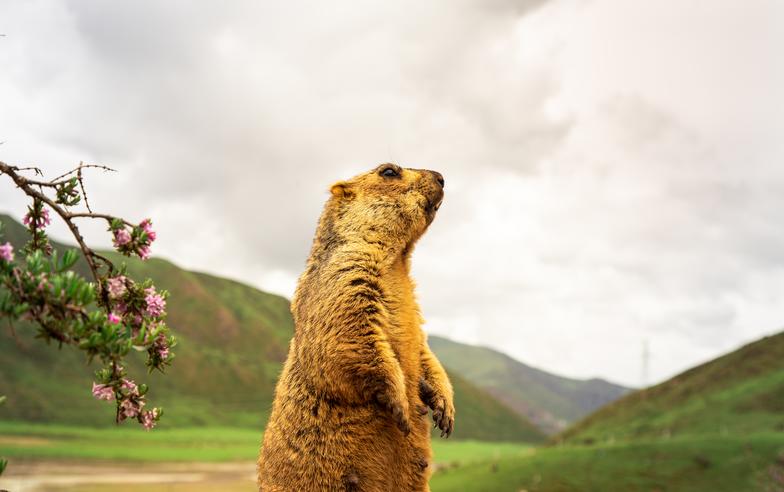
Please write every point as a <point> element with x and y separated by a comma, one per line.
<point>350,409</point>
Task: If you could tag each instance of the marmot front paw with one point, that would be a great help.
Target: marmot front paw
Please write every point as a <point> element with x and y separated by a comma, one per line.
<point>443,408</point>
<point>397,408</point>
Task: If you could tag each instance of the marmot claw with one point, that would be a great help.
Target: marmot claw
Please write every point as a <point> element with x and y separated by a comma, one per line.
<point>399,412</point>
<point>444,418</point>
<point>443,410</point>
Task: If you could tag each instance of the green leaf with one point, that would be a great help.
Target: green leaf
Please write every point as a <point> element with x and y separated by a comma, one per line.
<point>20,309</point>
<point>51,265</point>
<point>70,257</point>
<point>116,224</point>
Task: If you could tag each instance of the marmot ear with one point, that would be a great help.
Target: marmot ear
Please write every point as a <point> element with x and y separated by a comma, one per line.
<point>341,190</point>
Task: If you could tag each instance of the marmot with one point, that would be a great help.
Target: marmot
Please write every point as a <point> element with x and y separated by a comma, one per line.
<point>350,408</point>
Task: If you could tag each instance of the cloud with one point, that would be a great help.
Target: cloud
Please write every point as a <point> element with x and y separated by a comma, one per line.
<point>613,171</point>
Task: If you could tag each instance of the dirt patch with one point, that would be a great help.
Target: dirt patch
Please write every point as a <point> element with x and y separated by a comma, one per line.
<point>42,476</point>
<point>24,441</point>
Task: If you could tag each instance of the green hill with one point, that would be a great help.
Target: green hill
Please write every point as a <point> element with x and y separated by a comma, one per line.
<point>718,427</point>
<point>738,394</point>
<point>548,400</point>
<point>233,340</point>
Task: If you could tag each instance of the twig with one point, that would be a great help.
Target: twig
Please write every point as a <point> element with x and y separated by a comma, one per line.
<point>81,185</point>
<point>85,166</point>
<point>110,218</point>
<point>29,168</point>
<point>25,185</point>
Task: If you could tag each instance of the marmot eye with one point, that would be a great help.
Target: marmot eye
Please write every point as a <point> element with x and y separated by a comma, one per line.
<point>389,172</point>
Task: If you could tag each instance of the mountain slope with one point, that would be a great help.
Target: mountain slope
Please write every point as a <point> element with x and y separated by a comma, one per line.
<point>232,341</point>
<point>548,400</point>
<point>739,393</point>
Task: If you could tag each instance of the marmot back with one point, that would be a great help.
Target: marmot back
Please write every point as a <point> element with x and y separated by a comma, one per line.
<point>350,408</point>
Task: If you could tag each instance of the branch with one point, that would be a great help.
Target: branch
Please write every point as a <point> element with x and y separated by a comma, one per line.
<point>26,186</point>
<point>59,180</point>
<point>107,217</point>
<point>63,303</point>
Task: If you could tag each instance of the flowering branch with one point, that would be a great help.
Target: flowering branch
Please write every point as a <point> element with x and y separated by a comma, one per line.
<point>106,317</point>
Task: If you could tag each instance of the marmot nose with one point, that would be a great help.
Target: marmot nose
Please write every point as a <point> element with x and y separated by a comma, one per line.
<point>439,178</point>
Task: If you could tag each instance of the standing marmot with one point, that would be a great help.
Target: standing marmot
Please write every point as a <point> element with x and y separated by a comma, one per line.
<point>349,410</point>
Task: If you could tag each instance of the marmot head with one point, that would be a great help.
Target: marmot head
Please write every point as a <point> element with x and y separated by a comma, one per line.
<point>389,204</point>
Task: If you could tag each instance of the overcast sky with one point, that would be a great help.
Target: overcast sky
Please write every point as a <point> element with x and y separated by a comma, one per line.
<point>614,169</point>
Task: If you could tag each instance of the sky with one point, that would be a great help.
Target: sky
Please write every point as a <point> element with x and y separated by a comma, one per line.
<point>614,170</point>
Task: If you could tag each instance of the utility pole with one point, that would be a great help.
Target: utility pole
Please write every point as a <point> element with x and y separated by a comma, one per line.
<point>646,356</point>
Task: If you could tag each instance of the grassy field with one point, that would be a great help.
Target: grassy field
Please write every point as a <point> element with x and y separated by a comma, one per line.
<point>124,459</point>
<point>729,464</point>
<point>204,444</point>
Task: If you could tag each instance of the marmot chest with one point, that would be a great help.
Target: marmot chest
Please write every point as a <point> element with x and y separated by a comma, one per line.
<point>404,332</point>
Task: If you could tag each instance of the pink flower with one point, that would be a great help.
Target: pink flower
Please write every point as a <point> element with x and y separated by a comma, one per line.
<point>155,303</point>
<point>42,221</point>
<point>149,417</point>
<point>130,408</point>
<point>129,386</point>
<point>162,346</point>
<point>7,252</point>
<point>121,237</point>
<point>103,392</point>
<point>144,252</point>
<point>113,318</point>
<point>116,286</point>
<point>146,226</point>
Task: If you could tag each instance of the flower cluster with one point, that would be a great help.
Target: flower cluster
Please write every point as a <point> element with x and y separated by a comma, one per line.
<point>129,396</point>
<point>156,304</point>
<point>116,287</point>
<point>160,347</point>
<point>37,219</point>
<point>7,252</point>
<point>103,392</point>
<point>141,308</point>
<point>135,241</point>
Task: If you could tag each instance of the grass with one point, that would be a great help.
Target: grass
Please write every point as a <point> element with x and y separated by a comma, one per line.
<point>22,440</point>
<point>731,464</point>
<point>127,443</point>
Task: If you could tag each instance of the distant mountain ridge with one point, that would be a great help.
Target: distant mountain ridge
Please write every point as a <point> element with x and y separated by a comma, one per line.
<point>548,400</point>
<point>233,340</point>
